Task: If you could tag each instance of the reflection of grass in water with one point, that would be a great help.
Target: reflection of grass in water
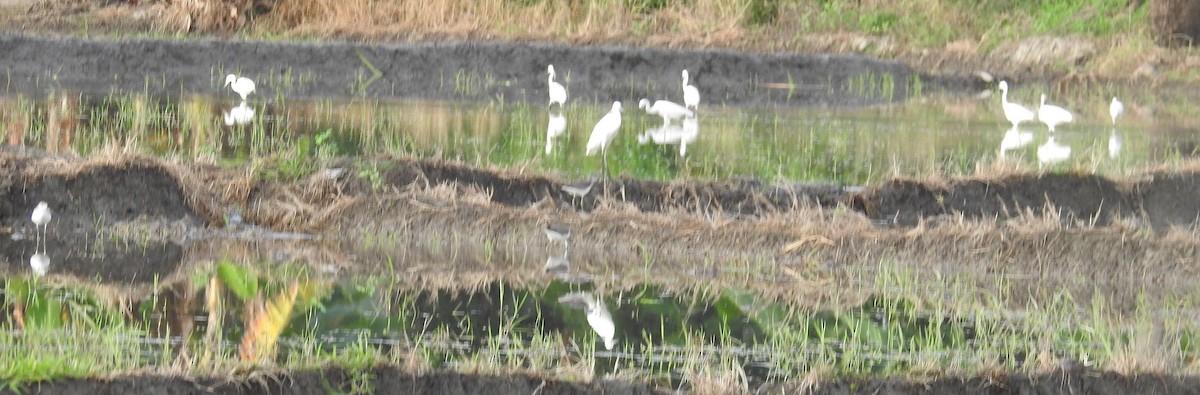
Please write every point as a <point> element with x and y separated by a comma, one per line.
<point>712,336</point>
<point>856,147</point>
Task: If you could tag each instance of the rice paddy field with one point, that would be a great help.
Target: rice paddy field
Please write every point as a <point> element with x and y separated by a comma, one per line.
<point>413,218</point>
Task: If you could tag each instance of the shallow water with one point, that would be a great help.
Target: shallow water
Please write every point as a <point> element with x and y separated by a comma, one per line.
<point>843,145</point>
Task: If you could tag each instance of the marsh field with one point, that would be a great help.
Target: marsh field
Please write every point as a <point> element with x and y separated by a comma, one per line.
<point>389,210</point>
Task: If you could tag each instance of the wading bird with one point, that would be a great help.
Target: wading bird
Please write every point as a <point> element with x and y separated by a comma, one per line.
<point>1052,115</point>
<point>242,85</point>
<point>41,220</point>
<point>598,316</point>
<point>1014,112</point>
<point>603,133</point>
<point>668,110</point>
<point>691,95</point>
<point>558,94</point>
<point>1115,109</point>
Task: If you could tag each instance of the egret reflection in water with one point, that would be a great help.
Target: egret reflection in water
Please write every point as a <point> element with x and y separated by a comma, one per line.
<point>598,316</point>
<point>1114,144</point>
<point>555,127</point>
<point>683,134</point>
<point>1052,152</point>
<point>1014,138</point>
<point>40,263</point>
<point>239,115</point>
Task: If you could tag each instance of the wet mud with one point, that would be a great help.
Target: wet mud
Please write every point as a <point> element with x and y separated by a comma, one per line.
<point>130,219</point>
<point>125,219</point>
<point>478,71</point>
<point>394,381</point>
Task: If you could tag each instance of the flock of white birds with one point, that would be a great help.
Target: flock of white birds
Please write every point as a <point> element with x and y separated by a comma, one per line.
<point>606,129</point>
<point>1052,116</point>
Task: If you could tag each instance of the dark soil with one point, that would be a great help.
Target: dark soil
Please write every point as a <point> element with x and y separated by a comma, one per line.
<point>480,71</point>
<point>683,227</point>
<point>381,381</point>
<point>86,199</point>
<point>393,381</point>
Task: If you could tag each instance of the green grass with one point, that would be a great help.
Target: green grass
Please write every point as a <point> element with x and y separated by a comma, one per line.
<point>961,324</point>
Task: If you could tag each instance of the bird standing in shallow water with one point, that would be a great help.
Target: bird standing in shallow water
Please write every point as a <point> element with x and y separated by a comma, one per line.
<point>668,110</point>
<point>691,95</point>
<point>603,134</point>
<point>1115,108</point>
<point>558,94</point>
<point>1053,115</point>
<point>1014,112</point>
<point>41,220</point>
<point>598,316</point>
<point>242,85</point>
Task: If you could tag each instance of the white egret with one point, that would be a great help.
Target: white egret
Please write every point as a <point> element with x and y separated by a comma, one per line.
<point>1052,152</point>
<point>1115,109</point>
<point>604,132</point>
<point>598,316</point>
<point>1014,112</point>
<point>239,115</point>
<point>242,85</point>
<point>691,95</point>
<point>554,128</point>
<point>1052,115</point>
<point>666,109</point>
<point>41,220</point>
<point>558,233</point>
<point>40,263</point>
<point>558,94</point>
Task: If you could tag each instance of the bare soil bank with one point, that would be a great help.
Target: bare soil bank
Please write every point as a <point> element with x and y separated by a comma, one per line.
<point>479,71</point>
<point>393,381</point>
<point>804,235</point>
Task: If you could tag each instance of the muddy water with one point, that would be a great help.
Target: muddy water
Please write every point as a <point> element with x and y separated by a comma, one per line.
<point>851,146</point>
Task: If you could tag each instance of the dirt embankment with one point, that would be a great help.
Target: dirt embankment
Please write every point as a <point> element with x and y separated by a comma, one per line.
<point>1061,227</point>
<point>478,71</point>
<point>386,380</point>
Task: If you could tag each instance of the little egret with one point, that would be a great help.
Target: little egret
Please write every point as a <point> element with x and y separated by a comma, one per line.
<point>668,110</point>
<point>40,263</point>
<point>554,128</point>
<point>558,94</point>
<point>1053,115</point>
<point>1052,152</point>
<point>603,133</point>
<point>598,316</point>
<point>242,85</point>
<point>41,220</point>
<point>1115,109</point>
<point>1014,112</point>
<point>558,233</point>
<point>691,95</point>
